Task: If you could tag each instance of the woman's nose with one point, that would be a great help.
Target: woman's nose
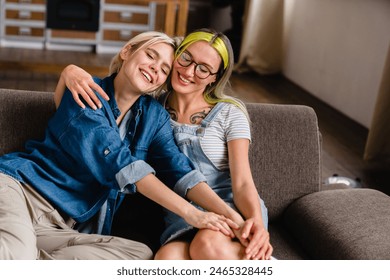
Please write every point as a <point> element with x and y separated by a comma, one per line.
<point>190,69</point>
<point>154,67</point>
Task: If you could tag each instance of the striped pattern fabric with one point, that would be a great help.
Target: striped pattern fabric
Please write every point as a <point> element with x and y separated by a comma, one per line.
<point>230,124</point>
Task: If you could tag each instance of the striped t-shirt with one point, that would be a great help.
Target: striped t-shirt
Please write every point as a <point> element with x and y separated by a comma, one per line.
<point>229,124</point>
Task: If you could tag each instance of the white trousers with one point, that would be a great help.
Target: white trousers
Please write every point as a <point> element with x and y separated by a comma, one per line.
<point>30,228</point>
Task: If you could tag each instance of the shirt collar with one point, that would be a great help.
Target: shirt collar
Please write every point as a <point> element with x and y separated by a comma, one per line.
<point>108,85</point>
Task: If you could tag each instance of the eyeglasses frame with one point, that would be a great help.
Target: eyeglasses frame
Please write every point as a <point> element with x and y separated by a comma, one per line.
<point>196,65</point>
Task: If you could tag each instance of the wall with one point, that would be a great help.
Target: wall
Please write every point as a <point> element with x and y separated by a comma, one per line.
<point>336,50</point>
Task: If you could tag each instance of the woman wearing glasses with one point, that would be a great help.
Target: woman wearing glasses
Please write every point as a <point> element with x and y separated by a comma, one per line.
<point>213,130</point>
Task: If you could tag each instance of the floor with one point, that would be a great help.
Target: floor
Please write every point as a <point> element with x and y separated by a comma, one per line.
<point>343,140</point>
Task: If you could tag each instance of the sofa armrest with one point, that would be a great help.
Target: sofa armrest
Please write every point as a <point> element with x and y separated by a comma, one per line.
<point>341,224</point>
<point>285,153</point>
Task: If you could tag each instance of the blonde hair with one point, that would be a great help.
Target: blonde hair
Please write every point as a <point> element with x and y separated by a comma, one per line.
<point>143,40</point>
<point>216,92</point>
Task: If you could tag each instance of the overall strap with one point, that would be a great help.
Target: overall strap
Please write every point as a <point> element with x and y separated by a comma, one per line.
<point>209,118</point>
<point>213,113</point>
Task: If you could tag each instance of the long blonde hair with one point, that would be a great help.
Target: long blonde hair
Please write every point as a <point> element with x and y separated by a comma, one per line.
<point>143,40</point>
<point>217,91</point>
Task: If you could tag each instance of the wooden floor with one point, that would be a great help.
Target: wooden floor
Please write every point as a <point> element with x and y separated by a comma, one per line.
<point>343,140</point>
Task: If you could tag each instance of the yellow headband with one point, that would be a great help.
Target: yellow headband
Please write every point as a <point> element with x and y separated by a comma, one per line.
<point>217,43</point>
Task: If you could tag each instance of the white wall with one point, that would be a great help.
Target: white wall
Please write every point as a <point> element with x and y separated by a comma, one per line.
<point>336,50</point>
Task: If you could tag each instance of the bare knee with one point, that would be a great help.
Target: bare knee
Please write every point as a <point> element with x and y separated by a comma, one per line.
<point>175,250</point>
<point>162,254</point>
<point>211,245</point>
<point>205,246</point>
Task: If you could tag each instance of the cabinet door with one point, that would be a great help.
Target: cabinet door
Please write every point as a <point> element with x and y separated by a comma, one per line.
<point>23,20</point>
<point>120,21</point>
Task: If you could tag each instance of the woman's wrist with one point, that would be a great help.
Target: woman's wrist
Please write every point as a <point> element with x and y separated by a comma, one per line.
<point>234,216</point>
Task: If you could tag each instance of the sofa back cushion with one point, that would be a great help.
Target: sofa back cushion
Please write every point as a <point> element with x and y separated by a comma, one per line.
<point>285,154</point>
<point>23,116</point>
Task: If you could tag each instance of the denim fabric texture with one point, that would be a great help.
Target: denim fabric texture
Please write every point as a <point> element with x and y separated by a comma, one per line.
<point>188,139</point>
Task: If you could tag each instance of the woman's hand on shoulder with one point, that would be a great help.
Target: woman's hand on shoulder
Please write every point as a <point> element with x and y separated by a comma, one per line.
<point>81,83</point>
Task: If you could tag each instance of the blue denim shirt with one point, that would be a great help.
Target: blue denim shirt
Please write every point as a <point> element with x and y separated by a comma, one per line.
<point>82,163</point>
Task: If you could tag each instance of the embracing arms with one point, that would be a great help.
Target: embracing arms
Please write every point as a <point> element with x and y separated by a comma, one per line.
<point>253,234</point>
<point>92,139</point>
<point>155,190</point>
<point>80,84</point>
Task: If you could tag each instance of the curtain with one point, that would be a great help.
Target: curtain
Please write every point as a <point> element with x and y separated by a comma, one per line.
<point>261,47</point>
<point>378,141</point>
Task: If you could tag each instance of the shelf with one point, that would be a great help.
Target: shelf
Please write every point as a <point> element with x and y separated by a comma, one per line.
<point>23,23</point>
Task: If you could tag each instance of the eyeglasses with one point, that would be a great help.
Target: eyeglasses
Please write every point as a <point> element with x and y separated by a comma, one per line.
<point>201,70</point>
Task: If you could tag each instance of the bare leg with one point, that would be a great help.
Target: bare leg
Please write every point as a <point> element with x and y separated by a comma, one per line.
<point>213,245</point>
<point>175,250</point>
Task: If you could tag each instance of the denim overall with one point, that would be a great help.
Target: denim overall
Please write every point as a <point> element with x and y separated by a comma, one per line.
<point>188,139</point>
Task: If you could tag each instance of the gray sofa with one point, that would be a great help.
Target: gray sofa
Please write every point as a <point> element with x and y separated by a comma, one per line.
<point>306,222</point>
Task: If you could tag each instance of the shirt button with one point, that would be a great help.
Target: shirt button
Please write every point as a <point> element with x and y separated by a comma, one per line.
<point>107,151</point>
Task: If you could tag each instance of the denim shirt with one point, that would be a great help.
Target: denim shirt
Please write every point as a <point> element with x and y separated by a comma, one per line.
<point>82,163</point>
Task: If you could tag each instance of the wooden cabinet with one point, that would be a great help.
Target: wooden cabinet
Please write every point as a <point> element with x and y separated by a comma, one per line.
<point>22,24</point>
<point>120,21</point>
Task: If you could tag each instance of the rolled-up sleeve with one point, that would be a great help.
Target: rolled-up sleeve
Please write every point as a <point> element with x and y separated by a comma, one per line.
<point>172,166</point>
<point>188,181</point>
<point>132,173</point>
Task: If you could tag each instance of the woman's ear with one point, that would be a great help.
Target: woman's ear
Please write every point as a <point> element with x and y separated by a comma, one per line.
<point>125,52</point>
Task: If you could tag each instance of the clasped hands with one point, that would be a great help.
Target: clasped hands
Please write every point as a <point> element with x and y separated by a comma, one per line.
<point>250,233</point>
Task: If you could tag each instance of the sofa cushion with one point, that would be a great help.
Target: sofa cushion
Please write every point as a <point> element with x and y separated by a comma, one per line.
<point>342,224</point>
<point>24,115</point>
<point>285,247</point>
<point>285,154</point>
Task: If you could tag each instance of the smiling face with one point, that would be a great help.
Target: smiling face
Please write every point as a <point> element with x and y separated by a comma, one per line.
<point>184,80</point>
<point>147,68</point>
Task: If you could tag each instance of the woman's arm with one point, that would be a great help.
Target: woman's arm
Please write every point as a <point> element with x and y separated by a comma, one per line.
<point>206,198</point>
<point>80,83</point>
<point>91,140</point>
<point>153,188</point>
<point>246,199</point>
<point>59,92</point>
